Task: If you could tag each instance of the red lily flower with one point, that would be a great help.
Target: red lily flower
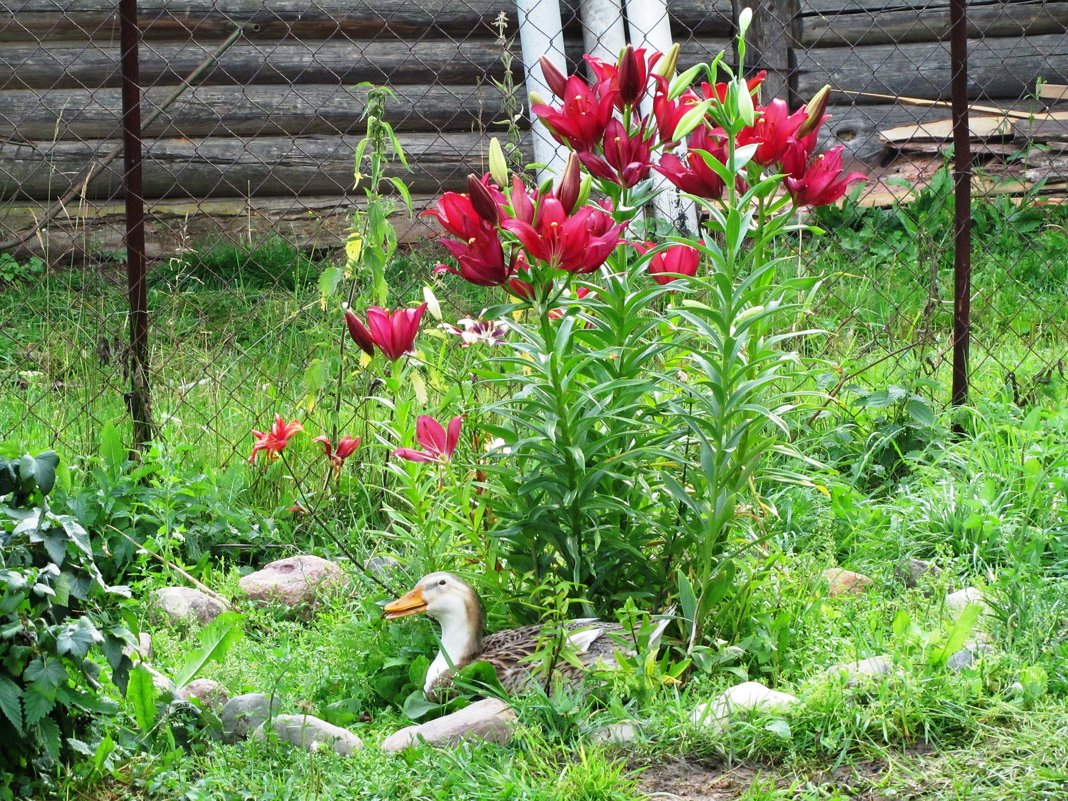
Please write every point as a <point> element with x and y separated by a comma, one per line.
<point>673,263</point>
<point>481,260</point>
<point>394,332</point>
<point>823,182</point>
<point>626,158</point>
<point>719,90</point>
<point>627,78</point>
<point>694,175</point>
<point>772,131</point>
<point>669,113</point>
<point>346,446</point>
<point>275,440</point>
<point>438,445</point>
<point>578,243</point>
<point>585,114</point>
<point>520,285</point>
<point>359,333</point>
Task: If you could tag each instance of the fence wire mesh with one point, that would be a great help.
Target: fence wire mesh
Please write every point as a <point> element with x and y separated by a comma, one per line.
<point>253,111</point>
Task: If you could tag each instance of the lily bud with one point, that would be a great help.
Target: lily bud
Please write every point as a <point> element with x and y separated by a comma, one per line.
<point>536,99</point>
<point>584,191</point>
<point>746,111</point>
<point>554,79</point>
<point>666,66</point>
<point>570,184</point>
<point>745,19</point>
<point>498,165</point>
<point>629,77</point>
<point>359,333</point>
<point>481,200</point>
<point>814,111</point>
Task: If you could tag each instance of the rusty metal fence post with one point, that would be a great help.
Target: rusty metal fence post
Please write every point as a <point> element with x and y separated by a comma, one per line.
<point>137,398</point>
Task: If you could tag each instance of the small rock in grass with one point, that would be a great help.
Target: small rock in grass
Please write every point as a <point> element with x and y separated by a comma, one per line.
<point>957,601</point>
<point>310,733</point>
<point>210,694</point>
<point>243,713</point>
<point>845,582</point>
<point>750,696</point>
<point>381,566</point>
<point>615,734</point>
<point>294,581</point>
<point>142,652</point>
<point>186,605</point>
<point>164,686</point>
<point>489,719</point>
<point>916,572</point>
<point>856,672</point>
<point>966,656</point>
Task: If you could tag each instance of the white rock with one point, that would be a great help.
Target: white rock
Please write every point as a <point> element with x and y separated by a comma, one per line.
<point>293,581</point>
<point>489,719</point>
<point>186,605</point>
<point>956,601</point>
<point>845,582</point>
<point>164,686</point>
<point>243,713</point>
<point>750,696</point>
<point>310,733</point>
<point>615,734</point>
<point>855,672</point>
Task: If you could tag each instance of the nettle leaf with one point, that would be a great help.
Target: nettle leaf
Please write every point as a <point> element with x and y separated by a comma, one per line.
<point>10,704</point>
<point>45,465</point>
<point>36,705</point>
<point>55,543</point>
<point>47,672</point>
<point>77,638</point>
<point>48,736</point>
<point>79,536</point>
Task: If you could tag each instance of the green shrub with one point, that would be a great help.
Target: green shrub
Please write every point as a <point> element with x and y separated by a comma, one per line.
<point>56,615</point>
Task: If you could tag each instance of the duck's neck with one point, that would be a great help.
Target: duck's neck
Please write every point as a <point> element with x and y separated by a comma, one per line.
<point>461,640</point>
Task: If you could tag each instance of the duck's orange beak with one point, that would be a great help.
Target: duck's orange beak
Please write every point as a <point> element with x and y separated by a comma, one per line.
<point>411,603</point>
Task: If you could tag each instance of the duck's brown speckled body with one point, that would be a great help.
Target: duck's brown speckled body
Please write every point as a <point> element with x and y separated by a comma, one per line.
<point>455,606</point>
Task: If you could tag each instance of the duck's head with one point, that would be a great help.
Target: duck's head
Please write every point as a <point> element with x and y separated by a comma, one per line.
<point>442,596</point>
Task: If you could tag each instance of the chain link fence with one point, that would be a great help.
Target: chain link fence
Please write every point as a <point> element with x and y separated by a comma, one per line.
<point>252,111</point>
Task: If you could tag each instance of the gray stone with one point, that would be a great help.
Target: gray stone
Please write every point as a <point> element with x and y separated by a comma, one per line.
<point>210,694</point>
<point>294,581</point>
<point>142,652</point>
<point>916,572</point>
<point>957,601</point>
<point>381,566</point>
<point>310,733</point>
<point>856,672</point>
<point>746,697</point>
<point>845,582</point>
<point>967,656</point>
<point>164,686</point>
<point>243,713</point>
<point>489,719</point>
<point>615,734</point>
<point>186,605</point>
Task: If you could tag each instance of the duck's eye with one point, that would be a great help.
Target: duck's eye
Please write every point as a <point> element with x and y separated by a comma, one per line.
<point>442,583</point>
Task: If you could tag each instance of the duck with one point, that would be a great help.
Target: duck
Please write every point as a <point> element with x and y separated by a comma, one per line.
<point>456,607</point>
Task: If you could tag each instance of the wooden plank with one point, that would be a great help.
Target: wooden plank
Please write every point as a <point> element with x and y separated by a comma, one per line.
<point>998,68</point>
<point>246,111</point>
<point>980,127</point>
<point>172,226</point>
<point>1045,130</point>
<point>841,23</point>
<point>80,66</point>
<point>1052,91</point>
<point>857,128</point>
<point>50,21</point>
<point>235,167</point>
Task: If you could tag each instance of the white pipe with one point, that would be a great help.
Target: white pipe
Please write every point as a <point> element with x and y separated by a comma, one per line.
<point>650,27</point>
<point>602,28</point>
<point>541,33</point>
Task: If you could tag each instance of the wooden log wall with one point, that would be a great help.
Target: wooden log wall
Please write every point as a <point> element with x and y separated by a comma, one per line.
<point>267,132</point>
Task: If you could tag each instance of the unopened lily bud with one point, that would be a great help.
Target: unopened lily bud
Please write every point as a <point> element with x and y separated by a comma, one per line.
<point>584,191</point>
<point>814,111</point>
<point>745,19</point>
<point>554,79</point>
<point>629,77</point>
<point>481,200</point>
<point>498,165</point>
<point>666,66</point>
<point>570,184</point>
<point>536,99</point>
<point>746,111</point>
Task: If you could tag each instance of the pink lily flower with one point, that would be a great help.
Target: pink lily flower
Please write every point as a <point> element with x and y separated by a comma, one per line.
<point>438,444</point>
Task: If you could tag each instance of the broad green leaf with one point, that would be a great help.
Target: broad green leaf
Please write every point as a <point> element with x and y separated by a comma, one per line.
<point>36,705</point>
<point>216,639</point>
<point>141,697</point>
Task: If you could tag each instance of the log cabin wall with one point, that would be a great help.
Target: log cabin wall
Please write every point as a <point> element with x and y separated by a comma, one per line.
<point>264,140</point>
